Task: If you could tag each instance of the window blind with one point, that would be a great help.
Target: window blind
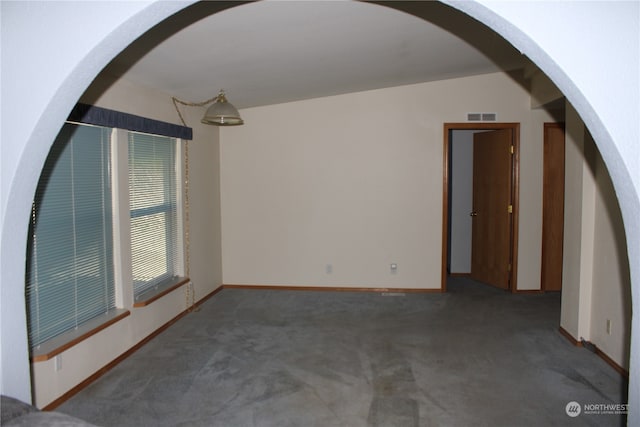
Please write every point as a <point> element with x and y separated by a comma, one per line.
<point>153,204</point>
<point>70,253</point>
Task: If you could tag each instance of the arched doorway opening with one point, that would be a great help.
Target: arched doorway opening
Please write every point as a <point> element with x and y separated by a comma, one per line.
<point>104,48</point>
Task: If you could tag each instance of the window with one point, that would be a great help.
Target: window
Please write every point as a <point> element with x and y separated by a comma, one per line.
<point>153,200</point>
<point>84,246</point>
<point>70,277</point>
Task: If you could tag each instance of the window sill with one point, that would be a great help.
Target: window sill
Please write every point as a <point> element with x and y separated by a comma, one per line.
<point>158,292</point>
<point>51,348</point>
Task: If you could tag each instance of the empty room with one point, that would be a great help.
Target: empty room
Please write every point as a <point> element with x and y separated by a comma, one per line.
<point>314,213</point>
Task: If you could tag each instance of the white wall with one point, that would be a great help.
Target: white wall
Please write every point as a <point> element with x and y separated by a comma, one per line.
<point>87,357</point>
<point>355,181</point>
<point>584,75</point>
<point>611,289</point>
<point>596,283</point>
<point>461,200</point>
<point>578,228</point>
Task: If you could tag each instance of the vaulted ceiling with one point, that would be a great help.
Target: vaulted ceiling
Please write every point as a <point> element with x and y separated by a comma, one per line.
<point>270,52</point>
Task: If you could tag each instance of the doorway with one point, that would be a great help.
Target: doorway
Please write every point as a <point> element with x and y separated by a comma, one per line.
<point>553,207</point>
<point>492,213</point>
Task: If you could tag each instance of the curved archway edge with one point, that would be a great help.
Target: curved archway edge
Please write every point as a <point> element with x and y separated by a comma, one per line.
<point>33,121</point>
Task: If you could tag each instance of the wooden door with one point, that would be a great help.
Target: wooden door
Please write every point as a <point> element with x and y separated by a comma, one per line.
<point>552,207</point>
<point>492,188</point>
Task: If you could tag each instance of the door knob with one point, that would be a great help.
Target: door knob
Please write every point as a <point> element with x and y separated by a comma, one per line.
<point>474,213</point>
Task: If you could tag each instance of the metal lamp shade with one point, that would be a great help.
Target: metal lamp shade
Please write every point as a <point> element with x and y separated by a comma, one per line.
<point>222,113</point>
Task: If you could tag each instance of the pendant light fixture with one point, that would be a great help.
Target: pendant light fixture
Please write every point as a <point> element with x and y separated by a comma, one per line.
<point>220,113</point>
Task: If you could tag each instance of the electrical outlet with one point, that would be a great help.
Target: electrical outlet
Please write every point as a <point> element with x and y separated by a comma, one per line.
<point>608,326</point>
<point>328,269</point>
<point>394,268</point>
<point>58,362</point>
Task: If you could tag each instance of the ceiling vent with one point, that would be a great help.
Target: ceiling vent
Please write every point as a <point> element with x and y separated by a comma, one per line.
<point>482,117</point>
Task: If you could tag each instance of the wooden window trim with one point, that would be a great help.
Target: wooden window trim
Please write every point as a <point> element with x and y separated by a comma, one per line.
<point>53,347</point>
<point>154,294</point>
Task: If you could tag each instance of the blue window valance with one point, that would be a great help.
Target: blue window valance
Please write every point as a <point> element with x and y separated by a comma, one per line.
<point>90,114</point>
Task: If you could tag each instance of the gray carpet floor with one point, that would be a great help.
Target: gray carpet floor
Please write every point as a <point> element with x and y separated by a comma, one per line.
<point>475,356</point>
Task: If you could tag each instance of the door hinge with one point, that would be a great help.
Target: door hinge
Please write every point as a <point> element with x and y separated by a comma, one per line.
<point>509,267</point>
<point>510,209</point>
<point>511,149</point>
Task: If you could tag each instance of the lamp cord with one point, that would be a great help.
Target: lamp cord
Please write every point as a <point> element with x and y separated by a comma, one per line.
<point>190,292</point>
<point>177,101</point>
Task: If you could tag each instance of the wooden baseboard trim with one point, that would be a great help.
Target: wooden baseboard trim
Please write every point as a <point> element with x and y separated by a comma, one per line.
<point>208,296</point>
<point>597,351</point>
<point>459,274</point>
<point>75,390</point>
<point>330,288</point>
<point>528,291</point>
<point>612,363</point>
<point>569,337</point>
